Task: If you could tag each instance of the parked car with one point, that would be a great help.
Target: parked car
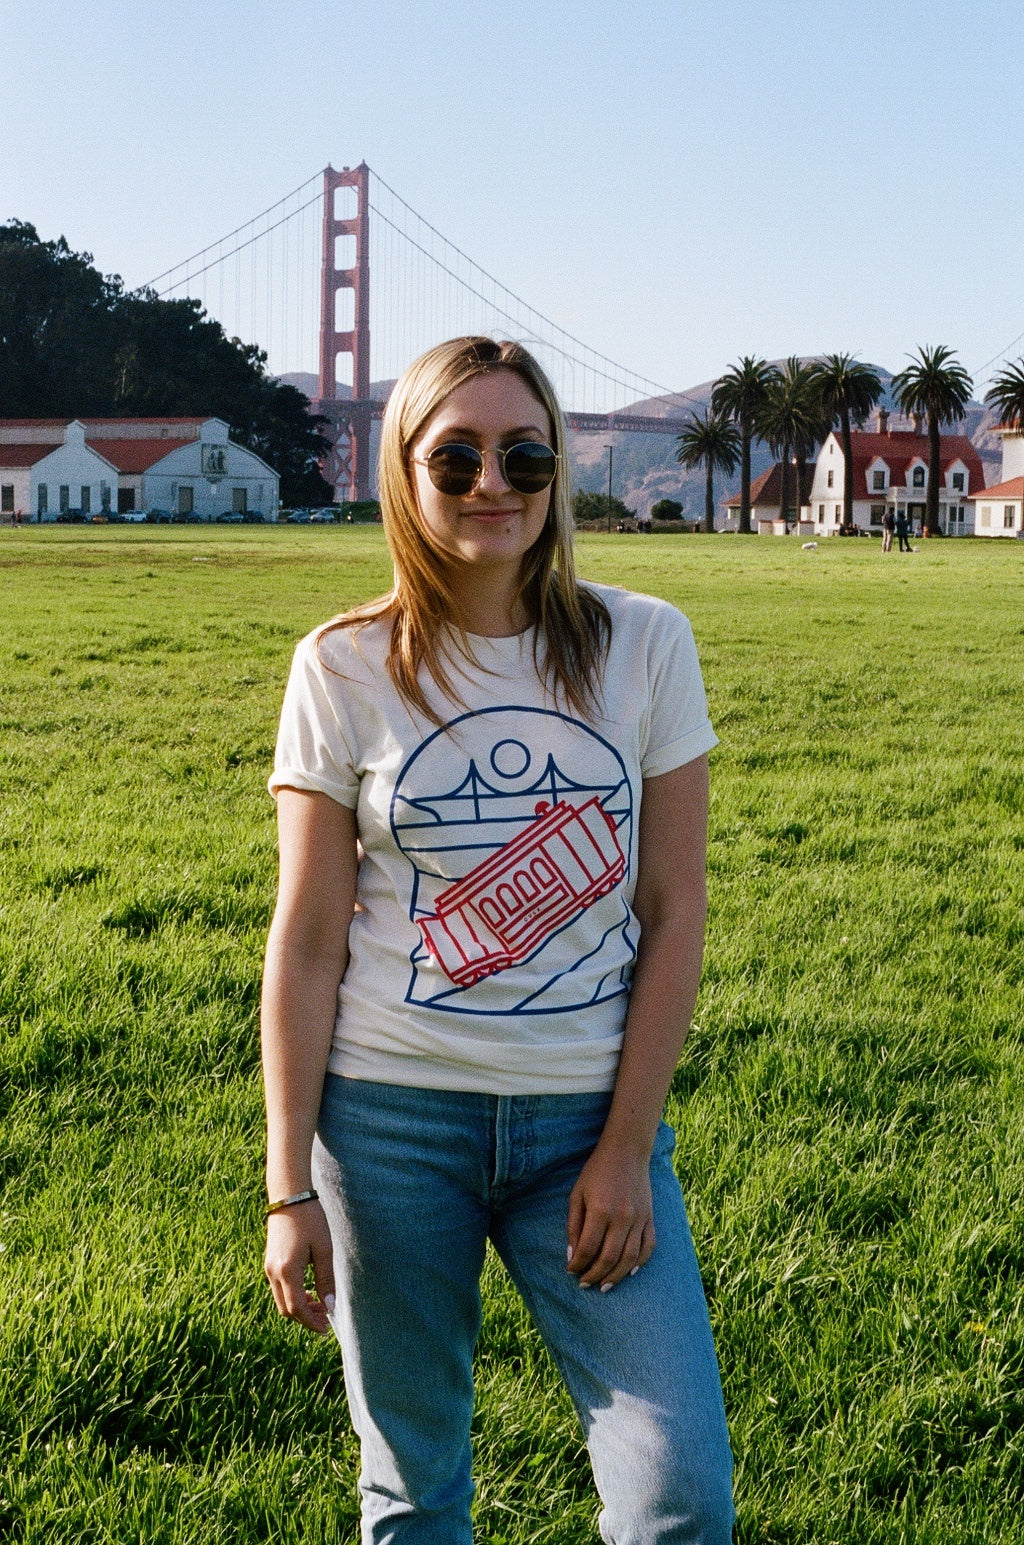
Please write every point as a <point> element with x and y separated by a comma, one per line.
<point>230,518</point>
<point>324,517</point>
<point>159,517</point>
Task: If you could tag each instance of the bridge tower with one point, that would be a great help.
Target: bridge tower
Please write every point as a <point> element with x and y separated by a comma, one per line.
<point>348,466</point>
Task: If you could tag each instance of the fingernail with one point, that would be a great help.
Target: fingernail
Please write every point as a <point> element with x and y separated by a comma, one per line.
<point>329,1303</point>
<point>606,1287</point>
<point>634,1271</point>
<point>584,1284</point>
<point>568,1252</point>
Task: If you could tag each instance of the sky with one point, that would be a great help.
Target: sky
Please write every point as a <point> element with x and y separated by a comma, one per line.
<point>676,184</point>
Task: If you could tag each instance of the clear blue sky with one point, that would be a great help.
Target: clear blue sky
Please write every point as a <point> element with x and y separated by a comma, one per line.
<point>675,183</point>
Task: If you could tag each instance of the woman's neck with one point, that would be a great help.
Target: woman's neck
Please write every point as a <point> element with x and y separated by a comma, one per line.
<point>491,604</point>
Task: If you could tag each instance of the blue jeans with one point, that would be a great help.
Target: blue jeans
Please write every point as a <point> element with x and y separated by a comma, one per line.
<point>414,1182</point>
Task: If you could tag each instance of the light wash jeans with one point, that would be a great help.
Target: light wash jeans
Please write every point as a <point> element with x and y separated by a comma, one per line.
<point>414,1182</point>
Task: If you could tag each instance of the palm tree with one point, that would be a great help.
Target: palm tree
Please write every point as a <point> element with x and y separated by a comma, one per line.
<point>714,440</point>
<point>1007,394</point>
<point>739,395</point>
<point>937,384</point>
<point>791,423</point>
<point>846,391</point>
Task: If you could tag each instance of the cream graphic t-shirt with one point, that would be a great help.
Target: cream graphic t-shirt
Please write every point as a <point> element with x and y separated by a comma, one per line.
<point>494,941</point>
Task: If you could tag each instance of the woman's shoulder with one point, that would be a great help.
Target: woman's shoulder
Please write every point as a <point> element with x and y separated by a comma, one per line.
<point>635,615</point>
<point>355,650</point>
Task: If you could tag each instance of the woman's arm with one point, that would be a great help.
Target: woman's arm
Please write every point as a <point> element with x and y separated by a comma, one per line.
<point>307,953</point>
<point>610,1227</point>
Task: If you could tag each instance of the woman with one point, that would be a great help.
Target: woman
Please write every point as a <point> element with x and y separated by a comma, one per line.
<point>492,798</point>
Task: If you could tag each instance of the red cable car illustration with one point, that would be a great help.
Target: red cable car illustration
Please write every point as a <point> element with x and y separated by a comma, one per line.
<point>512,901</point>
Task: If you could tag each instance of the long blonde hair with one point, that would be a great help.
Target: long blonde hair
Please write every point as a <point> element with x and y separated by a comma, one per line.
<point>423,608</point>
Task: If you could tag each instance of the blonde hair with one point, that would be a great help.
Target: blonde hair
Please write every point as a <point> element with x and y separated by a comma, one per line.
<point>423,608</point>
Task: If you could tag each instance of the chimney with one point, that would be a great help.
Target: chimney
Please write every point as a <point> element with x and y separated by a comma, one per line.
<point>917,419</point>
<point>882,422</point>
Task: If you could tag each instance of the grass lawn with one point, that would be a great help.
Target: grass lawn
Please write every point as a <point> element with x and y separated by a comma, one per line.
<point>849,1105</point>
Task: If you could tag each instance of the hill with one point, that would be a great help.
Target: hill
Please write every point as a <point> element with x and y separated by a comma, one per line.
<point>644,468</point>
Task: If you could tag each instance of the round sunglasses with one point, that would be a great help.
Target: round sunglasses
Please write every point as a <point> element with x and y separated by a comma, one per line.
<point>455,469</point>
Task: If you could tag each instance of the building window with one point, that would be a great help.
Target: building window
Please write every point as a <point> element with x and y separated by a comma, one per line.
<point>877,511</point>
<point>185,501</point>
<point>958,482</point>
<point>918,477</point>
<point>43,498</point>
<point>839,511</point>
<point>831,478</point>
<point>239,503</point>
<point>878,481</point>
<point>125,500</point>
<point>986,515</point>
<point>104,496</point>
<point>65,498</point>
<point>86,502</point>
<point>821,513</point>
<point>1009,516</point>
<point>7,498</point>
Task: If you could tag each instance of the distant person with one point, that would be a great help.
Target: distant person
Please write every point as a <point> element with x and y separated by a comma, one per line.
<point>644,523</point>
<point>903,532</point>
<point>492,794</point>
<point>888,528</point>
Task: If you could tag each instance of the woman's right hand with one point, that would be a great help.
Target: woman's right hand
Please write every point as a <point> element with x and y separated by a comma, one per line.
<point>298,1237</point>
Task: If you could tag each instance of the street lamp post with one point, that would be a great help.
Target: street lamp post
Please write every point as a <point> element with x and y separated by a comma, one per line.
<point>610,450</point>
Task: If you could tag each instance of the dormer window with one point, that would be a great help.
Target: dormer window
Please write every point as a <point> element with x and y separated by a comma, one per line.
<point>958,482</point>
<point>918,478</point>
<point>878,481</point>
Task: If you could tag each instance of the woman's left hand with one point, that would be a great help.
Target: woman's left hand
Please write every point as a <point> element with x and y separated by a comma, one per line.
<point>611,1222</point>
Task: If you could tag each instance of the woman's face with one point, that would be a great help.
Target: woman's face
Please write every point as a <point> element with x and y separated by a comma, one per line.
<point>493,525</point>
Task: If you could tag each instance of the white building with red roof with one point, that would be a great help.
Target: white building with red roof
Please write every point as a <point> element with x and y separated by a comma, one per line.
<point>766,499</point>
<point>999,510</point>
<point>890,469</point>
<point>186,467</point>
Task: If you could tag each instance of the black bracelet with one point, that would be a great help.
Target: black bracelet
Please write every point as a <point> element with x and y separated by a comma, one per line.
<point>293,1201</point>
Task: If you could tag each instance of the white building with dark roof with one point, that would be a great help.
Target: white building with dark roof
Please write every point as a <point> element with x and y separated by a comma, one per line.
<point>187,467</point>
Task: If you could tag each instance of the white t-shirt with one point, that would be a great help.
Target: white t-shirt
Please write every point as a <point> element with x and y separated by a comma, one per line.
<point>494,941</point>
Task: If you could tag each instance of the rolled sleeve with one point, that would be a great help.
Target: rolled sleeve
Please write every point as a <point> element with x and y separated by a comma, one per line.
<point>678,726</point>
<point>313,751</point>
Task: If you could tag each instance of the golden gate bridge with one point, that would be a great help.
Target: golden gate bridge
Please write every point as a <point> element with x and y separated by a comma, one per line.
<point>297,279</point>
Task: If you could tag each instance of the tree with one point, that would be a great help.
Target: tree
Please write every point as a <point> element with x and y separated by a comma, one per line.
<point>791,423</point>
<point>1007,394</point>
<point>846,391</point>
<point>935,383</point>
<point>593,507</point>
<point>667,509</point>
<point>76,344</point>
<point>740,396</point>
<point>710,440</point>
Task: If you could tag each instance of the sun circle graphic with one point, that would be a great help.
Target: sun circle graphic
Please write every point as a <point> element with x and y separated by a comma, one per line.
<point>510,759</point>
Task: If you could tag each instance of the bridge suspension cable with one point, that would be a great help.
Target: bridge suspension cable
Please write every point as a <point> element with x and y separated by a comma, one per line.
<point>261,282</point>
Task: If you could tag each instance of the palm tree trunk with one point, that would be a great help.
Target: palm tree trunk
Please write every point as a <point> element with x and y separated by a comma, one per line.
<point>931,513</point>
<point>801,478</point>
<point>784,485</point>
<point>847,471</point>
<point>745,433</point>
<point>709,496</point>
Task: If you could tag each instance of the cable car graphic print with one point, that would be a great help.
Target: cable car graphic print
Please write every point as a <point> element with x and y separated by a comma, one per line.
<point>532,886</point>
<point>518,826</point>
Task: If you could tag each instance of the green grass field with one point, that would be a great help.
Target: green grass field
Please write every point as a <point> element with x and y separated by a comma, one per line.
<point>849,1104</point>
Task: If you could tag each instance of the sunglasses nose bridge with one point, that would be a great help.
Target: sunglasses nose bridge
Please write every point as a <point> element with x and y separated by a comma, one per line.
<point>491,477</point>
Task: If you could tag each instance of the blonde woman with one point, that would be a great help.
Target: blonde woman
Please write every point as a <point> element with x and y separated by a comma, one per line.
<point>492,797</point>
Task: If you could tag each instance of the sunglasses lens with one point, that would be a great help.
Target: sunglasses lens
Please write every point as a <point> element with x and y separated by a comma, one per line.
<point>454,469</point>
<point>530,467</point>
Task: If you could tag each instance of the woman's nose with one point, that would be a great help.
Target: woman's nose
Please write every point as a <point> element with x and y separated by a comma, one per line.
<point>492,477</point>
